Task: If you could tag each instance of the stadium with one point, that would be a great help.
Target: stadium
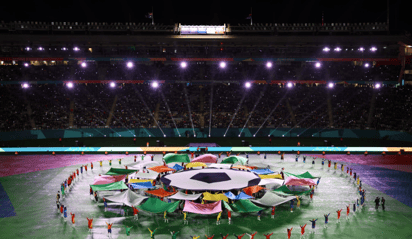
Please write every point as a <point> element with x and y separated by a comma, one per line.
<point>221,130</point>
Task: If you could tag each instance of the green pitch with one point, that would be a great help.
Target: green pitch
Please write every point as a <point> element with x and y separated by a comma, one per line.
<point>33,196</point>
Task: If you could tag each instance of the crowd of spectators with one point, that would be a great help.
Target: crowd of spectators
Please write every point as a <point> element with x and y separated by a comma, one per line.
<point>200,71</point>
<point>220,105</point>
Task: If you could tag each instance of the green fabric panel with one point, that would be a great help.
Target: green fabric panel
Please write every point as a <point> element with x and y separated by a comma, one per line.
<point>244,205</point>
<point>226,205</point>
<point>303,175</point>
<point>176,158</point>
<point>156,205</point>
<point>108,187</point>
<point>234,159</point>
<point>120,171</point>
<point>285,191</point>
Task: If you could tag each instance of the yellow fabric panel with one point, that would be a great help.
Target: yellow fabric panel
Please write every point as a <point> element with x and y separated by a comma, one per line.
<point>214,197</point>
<point>271,176</point>
<point>195,164</point>
<point>140,180</point>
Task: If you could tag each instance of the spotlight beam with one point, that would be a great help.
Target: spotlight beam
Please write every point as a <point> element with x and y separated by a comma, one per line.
<point>190,112</point>
<point>210,108</point>
<point>168,109</point>
<point>271,112</point>
<point>148,109</point>
<point>253,110</point>
<point>234,115</point>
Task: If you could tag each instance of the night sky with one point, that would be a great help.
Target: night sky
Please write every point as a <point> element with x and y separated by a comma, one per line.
<point>210,12</point>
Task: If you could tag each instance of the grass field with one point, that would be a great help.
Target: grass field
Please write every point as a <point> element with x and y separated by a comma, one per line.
<point>33,198</point>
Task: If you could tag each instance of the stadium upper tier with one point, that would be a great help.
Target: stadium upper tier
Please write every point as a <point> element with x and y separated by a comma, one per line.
<point>52,106</point>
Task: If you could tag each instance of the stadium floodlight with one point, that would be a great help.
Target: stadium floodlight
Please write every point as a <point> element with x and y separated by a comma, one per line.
<point>70,85</point>
<point>283,135</point>
<point>222,64</point>
<point>373,49</point>
<point>164,135</point>
<point>155,84</point>
<point>361,49</point>
<point>377,85</point>
<point>129,64</point>
<point>269,64</point>
<point>330,85</point>
<point>326,49</point>
<point>209,135</point>
<point>289,84</point>
<point>224,135</point>
<point>40,48</point>
<point>183,64</point>
<point>248,85</point>
<point>112,84</point>
<point>254,135</point>
<point>28,48</point>
<point>64,49</point>
<point>83,64</point>
<point>366,65</point>
<point>317,64</point>
<point>25,85</point>
<point>338,49</point>
<point>239,135</point>
<point>76,49</point>
<point>26,64</point>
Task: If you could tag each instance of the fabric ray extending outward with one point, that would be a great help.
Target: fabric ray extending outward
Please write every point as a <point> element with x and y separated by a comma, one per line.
<point>271,199</point>
<point>120,171</point>
<point>127,197</point>
<point>156,205</point>
<point>160,193</point>
<point>294,181</point>
<point>278,176</point>
<point>252,189</point>
<point>303,175</point>
<point>161,169</point>
<point>285,191</point>
<point>198,208</point>
<point>195,165</point>
<point>176,158</point>
<point>183,196</point>
<point>235,159</point>
<point>142,185</point>
<point>106,179</point>
<point>211,179</point>
<point>206,158</point>
<point>108,187</point>
<point>145,174</point>
<point>214,197</point>
<point>242,206</point>
<point>241,195</point>
<point>177,167</point>
<point>142,164</point>
<point>272,182</point>
<point>262,171</point>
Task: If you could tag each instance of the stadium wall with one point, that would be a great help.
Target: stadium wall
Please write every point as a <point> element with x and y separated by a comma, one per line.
<point>203,133</point>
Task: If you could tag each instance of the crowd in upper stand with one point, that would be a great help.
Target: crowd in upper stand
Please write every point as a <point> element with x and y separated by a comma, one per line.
<point>234,71</point>
<point>54,106</point>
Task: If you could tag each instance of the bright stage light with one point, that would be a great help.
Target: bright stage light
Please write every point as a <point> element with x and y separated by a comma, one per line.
<point>377,85</point>
<point>366,65</point>
<point>289,84</point>
<point>40,49</point>
<point>129,64</point>
<point>209,135</point>
<point>155,84</point>
<point>254,135</point>
<point>222,64</point>
<point>283,135</point>
<point>112,84</point>
<point>64,49</point>
<point>28,48</point>
<point>26,64</point>
<point>248,85</point>
<point>239,135</point>
<point>374,49</point>
<point>224,135</point>
<point>183,64</point>
<point>361,49</point>
<point>338,49</point>
<point>330,85</point>
<point>76,49</point>
<point>180,135</point>
<point>70,85</point>
<point>25,85</point>
<point>326,49</point>
<point>317,64</point>
<point>83,64</point>
<point>298,135</point>
<point>164,135</point>
<point>269,64</point>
